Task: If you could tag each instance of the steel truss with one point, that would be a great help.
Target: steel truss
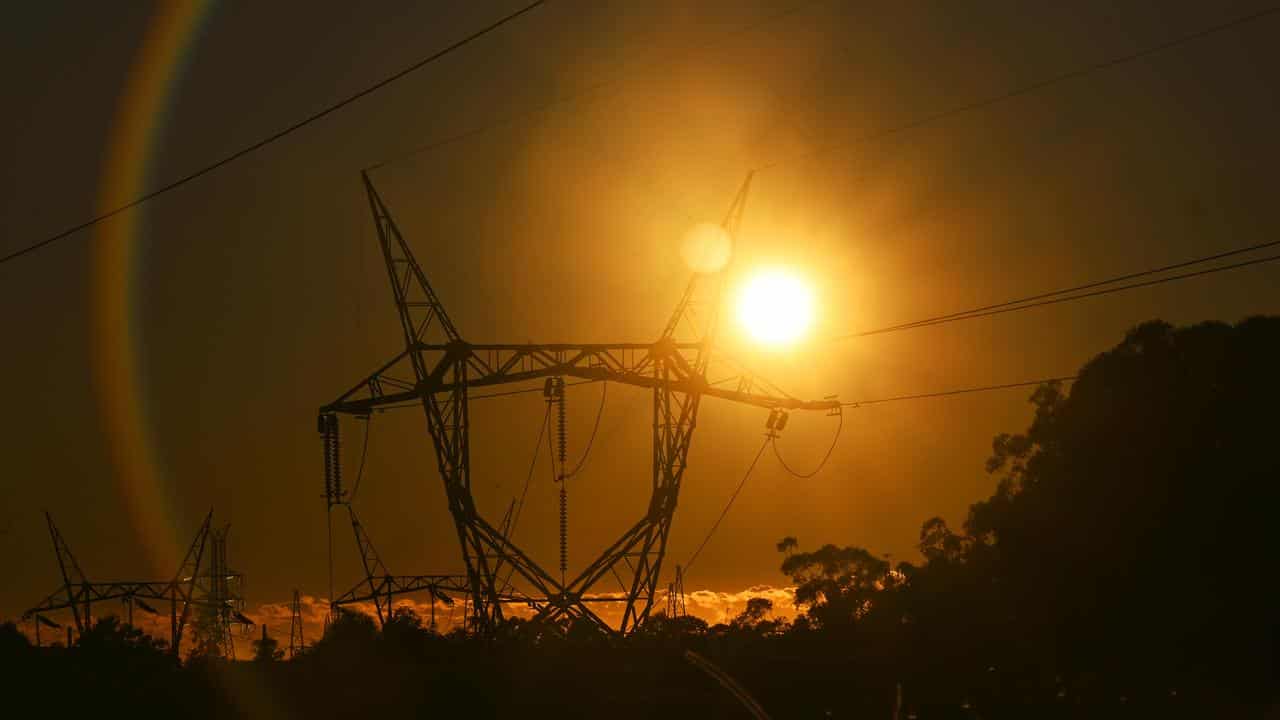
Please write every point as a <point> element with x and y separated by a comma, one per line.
<point>437,369</point>
<point>380,587</point>
<point>185,592</point>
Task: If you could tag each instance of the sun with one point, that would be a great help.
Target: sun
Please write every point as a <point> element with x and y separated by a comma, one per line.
<point>775,307</point>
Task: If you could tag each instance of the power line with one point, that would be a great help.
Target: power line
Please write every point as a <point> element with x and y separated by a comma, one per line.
<point>533,463</point>
<point>1030,87</point>
<point>688,564</point>
<point>595,428</point>
<point>1015,305</point>
<point>579,95</point>
<point>524,492</point>
<point>965,391</point>
<point>1078,288</point>
<point>364,453</point>
<point>772,441</point>
<point>825,458</point>
<point>273,137</point>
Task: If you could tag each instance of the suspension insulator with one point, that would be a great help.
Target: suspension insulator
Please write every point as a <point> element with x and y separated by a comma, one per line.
<point>564,530</point>
<point>563,431</point>
<point>332,459</point>
<point>338,492</point>
<point>322,427</point>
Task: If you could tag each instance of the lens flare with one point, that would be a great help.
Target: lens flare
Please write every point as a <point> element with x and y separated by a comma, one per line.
<point>775,307</point>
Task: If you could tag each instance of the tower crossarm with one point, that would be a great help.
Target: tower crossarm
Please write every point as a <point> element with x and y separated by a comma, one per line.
<point>500,364</point>
<point>92,592</point>
<point>439,587</point>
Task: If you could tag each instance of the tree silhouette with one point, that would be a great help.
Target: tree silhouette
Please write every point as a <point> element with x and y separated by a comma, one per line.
<point>788,545</point>
<point>837,585</point>
<point>266,648</point>
<point>1124,543</point>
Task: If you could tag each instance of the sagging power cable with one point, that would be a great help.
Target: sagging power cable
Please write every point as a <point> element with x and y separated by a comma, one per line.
<point>528,478</point>
<point>595,428</point>
<point>524,492</point>
<point>805,476</point>
<point>364,453</point>
<point>716,526</point>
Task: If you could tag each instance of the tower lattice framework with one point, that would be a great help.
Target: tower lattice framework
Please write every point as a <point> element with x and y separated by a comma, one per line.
<point>437,368</point>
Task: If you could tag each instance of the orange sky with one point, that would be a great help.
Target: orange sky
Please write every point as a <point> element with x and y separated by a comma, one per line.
<point>259,295</point>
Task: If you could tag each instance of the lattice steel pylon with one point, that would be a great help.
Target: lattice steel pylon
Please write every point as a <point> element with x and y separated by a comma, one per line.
<point>675,596</point>
<point>222,592</point>
<point>380,587</point>
<point>184,592</point>
<point>296,641</point>
<point>438,368</point>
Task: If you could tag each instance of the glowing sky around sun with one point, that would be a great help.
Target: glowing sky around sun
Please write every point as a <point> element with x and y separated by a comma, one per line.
<point>775,307</point>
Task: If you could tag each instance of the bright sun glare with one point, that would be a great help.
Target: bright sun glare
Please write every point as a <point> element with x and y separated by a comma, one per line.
<point>775,307</point>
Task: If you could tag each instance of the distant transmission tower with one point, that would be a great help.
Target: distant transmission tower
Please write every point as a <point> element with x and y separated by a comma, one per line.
<point>296,642</point>
<point>192,590</point>
<point>223,592</point>
<point>380,587</point>
<point>675,595</point>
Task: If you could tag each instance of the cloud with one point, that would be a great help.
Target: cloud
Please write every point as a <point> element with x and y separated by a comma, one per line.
<point>715,606</point>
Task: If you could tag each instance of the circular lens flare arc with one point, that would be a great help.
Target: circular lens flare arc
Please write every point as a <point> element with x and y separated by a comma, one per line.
<point>140,119</point>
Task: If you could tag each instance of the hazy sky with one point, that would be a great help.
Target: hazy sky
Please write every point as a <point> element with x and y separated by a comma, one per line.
<point>256,294</point>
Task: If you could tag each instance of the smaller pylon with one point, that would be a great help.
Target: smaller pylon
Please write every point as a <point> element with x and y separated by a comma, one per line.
<point>295,626</point>
<point>675,595</point>
<point>183,588</point>
<point>73,579</point>
<point>373,568</point>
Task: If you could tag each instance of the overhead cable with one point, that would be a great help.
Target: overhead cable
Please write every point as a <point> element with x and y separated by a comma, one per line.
<point>273,137</point>
<point>716,526</point>
<point>595,428</point>
<point>1030,87</point>
<point>578,95</point>
<point>823,463</point>
<point>364,452</point>
<point>964,391</point>
<point>1016,305</point>
<point>524,492</point>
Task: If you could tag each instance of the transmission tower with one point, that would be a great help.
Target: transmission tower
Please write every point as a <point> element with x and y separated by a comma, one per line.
<point>185,592</point>
<point>675,595</point>
<point>380,587</point>
<point>437,368</point>
<point>296,642</point>
<point>223,589</point>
